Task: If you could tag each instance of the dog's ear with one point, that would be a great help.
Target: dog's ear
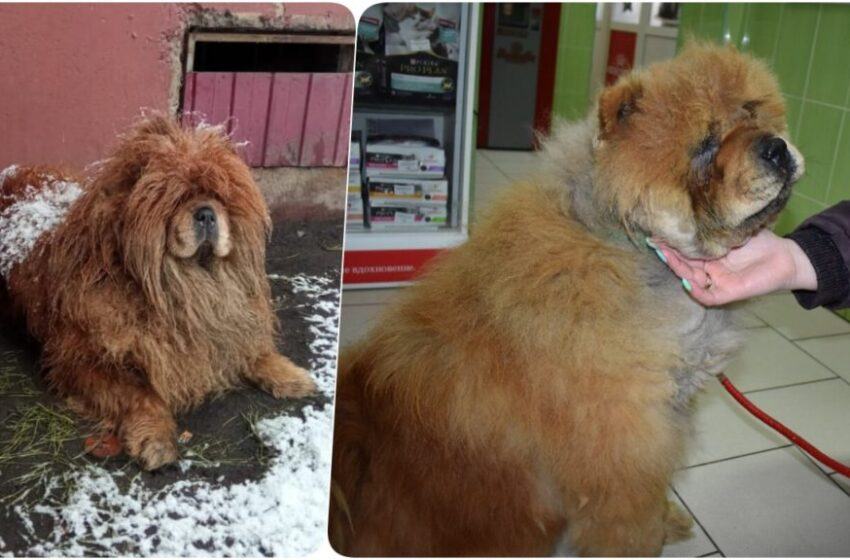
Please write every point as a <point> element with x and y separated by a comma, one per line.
<point>617,103</point>
<point>155,133</point>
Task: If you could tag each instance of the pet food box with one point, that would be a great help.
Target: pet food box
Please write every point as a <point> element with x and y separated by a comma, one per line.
<point>355,213</point>
<point>393,215</point>
<point>368,64</point>
<point>354,154</point>
<point>421,51</point>
<point>409,190</point>
<point>419,158</point>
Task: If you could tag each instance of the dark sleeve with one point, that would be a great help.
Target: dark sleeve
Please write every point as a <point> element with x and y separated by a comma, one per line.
<point>825,238</point>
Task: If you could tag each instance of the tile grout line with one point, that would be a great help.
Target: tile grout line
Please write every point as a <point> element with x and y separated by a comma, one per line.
<point>817,102</point>
<point>497,168</point>
<point>809,70</point>
<point>778,35</point>
<point>697,521</point>
<point>788,385</point>
<point>741,456</point>
<point>835,154</point>
<point>810,338</point>
<point>822,469</point>
<point>809,198</point>
<point>812,356</point>
<point>832,477</point>
<point>803,350</point>
<point>838,142</point>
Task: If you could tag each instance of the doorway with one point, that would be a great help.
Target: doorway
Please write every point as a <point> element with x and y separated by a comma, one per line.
<point>632,35</point>
<point>517,77</point>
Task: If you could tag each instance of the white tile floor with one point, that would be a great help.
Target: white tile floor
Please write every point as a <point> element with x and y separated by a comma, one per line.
<point>495,170</point>
<point>751,492</point>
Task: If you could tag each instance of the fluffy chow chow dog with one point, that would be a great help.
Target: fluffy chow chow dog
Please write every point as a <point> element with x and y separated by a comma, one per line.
<point>535,385</point>
<point>145,282</point>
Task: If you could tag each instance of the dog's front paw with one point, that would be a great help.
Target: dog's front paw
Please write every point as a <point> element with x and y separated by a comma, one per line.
<point>281,378</point>
<point>298,384</point>
<point>678,524</point>
<point>156,454</point>
<point>152,450</point>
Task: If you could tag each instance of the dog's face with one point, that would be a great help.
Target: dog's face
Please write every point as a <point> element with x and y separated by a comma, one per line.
<point>695,151</point>
<point>188,207</point>
<point>199,232</point>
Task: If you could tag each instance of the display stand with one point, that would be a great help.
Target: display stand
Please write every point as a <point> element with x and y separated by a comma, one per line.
<point>376,258</point>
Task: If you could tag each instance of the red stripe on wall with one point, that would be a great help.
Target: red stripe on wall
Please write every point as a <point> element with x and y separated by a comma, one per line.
<point>546,67</point>
<point>485,74</point>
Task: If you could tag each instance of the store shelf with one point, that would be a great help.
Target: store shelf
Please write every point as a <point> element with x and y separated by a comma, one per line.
<point>395,257</point>
<point>402,107</point>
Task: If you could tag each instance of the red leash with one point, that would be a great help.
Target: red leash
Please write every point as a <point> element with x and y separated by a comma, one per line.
<point>782,429</point>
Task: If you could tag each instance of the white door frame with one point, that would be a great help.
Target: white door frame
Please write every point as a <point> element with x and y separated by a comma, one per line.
<point>604,26</point>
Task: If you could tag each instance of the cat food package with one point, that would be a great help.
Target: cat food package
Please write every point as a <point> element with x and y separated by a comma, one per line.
<point>394,215</point>
<point>354,156</point>
<point>421,51</point>
<point>355,215</point>
<point>408,190</point>
<point>406,156</point>
<point>368,64</point>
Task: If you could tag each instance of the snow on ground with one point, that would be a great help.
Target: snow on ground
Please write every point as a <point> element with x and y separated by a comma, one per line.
<point>40,209</point>
<point>282,514</point>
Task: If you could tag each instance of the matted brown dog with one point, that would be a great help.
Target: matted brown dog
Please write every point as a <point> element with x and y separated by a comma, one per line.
<point>535,386</point>
<point>145,282</point>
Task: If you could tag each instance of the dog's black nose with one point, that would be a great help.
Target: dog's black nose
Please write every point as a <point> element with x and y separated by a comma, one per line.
<point>774,151</point>
<point>205,215</point>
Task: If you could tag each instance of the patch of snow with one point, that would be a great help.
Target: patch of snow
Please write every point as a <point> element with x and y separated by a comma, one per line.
<point>282,514</point>
<point>39,210</point>
<point>8,172</point>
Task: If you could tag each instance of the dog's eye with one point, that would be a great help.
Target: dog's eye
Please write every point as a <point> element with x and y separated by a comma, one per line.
<point>750,107</point>
<point>703,155</point>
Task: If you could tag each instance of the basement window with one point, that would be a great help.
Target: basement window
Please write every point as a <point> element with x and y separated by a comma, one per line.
<point>269,52</point>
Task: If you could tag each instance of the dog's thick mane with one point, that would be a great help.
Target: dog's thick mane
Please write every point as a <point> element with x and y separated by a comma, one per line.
<point>95,247</point>
<point>567,158</point>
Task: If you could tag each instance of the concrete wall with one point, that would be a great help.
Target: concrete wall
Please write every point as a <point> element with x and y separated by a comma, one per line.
<point>73,75</point>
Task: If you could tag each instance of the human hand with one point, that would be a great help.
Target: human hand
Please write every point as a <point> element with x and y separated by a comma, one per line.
<point>764,264</point>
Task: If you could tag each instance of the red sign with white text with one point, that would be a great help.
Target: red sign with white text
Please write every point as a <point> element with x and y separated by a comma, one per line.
<point>621,55</point>
<point>375,267</point>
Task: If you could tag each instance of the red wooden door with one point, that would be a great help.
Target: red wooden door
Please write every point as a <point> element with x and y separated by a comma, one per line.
<point>287,119</point>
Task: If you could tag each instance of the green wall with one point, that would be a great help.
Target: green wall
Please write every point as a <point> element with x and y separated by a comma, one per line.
<point>807,46</point>
<point>574,60</point>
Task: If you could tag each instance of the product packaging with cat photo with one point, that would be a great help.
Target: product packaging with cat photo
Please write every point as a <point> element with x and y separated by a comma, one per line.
<point>421,49</point>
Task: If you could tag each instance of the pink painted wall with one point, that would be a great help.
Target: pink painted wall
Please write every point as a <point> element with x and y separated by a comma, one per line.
<point>73,75</point>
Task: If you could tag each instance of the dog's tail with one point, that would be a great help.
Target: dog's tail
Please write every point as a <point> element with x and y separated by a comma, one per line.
<point>350,451</point>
